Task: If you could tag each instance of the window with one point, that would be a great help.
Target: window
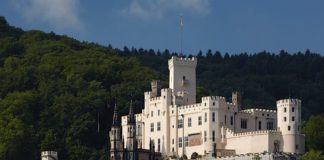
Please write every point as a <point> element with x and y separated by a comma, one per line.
<point>183,77</point>
<point>158,112</point>
<point>270,125</point>
<point>260,123</point>
<point>232,120</point>
<point>205,117</point>
<point>225,119</point>
<point>292,118</point>
<point>159,143</point>
<point>158,128</point>
<point>213,116</point>
<point>213,135</point>
<point>189,122</point>
<point>180,123</point>
<point>151,113</point>
<point>288,128</point>
<point>205,136</point>
<point>172,149</point>
<point>293,109</point>
<point>180,142</point>
<point>244,123</point>
<point>285,119</point>
<point>213,103</point>
<point>152,127</point>
<point>199,120</point>
<point>186,141</point>
<point>172,140</point>
<point>285,109</point>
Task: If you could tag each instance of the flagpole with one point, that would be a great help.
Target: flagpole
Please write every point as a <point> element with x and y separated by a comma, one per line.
<point>181,30</point>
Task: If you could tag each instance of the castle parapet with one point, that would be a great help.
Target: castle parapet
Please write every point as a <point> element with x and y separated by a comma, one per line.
<point>183,61</point>
<point>212,98</point>
<point>230,133</point>
<point>253,110</point>
<point>290,100</point>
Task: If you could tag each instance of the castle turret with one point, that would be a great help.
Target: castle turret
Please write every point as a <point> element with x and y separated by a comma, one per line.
<point>289,123</point>
<point>131,146</point>
<point>182,78</point>
<point>115,135</point>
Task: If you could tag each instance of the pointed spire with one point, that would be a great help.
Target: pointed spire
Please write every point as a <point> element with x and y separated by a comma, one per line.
<point>115,117</point>
<point>131,116</point>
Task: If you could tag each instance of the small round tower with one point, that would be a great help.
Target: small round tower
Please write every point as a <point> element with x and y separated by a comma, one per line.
<point>289,123</point>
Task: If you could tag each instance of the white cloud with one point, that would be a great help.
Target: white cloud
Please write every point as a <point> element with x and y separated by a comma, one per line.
<point>60,14</point>
<point>148,9</point>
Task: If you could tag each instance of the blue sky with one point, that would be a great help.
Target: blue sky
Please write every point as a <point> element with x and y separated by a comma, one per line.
<point>232,26</point>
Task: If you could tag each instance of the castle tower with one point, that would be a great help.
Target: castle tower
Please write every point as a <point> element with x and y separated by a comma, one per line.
<point>49,155</point>
<point>289,123</point>
<point>237,99</point>
<point>182,77</point>
<point>131,144</point>
<point>115,135</point>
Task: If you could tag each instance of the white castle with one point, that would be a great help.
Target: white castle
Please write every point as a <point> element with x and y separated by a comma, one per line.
<point>178,125</point>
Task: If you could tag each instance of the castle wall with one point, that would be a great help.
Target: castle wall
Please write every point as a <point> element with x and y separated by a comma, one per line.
<point>252,142</point>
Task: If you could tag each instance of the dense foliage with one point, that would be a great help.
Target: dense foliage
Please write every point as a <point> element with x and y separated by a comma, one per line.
<point>56,93</point>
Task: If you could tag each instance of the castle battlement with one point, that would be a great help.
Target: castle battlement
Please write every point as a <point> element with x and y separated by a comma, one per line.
<point>264,155</point>
<point>253,110</point>
<point>287,101</point>
<point>147,93</point>
<point>165,90</point>
<point>47,153</point>
<point>154,99</point>
<point>189,106</point>
<point>230,133</point>
<point>212,98</point>
<point>183,61</point>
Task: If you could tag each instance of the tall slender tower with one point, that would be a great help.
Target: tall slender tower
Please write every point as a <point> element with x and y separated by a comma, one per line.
<point>132,153</point>
<point>116,144</point>
<point>289,123</point>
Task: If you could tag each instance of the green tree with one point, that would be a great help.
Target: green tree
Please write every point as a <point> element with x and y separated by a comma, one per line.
<point>312,155</point>
<point>314,131</point>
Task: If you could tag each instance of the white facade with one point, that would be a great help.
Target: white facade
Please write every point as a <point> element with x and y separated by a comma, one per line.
<point>178,125</point>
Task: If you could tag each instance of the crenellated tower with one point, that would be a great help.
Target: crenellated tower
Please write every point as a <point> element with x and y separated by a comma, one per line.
<point>115,135</point>
<point>182,78</point>
<point>289,123</point>
<point>131,144</point>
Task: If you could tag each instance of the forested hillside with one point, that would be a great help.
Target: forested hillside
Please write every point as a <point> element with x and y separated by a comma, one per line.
<point>56,92</point>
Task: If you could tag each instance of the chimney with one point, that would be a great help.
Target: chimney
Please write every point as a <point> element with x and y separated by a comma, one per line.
<point>237,99</point>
